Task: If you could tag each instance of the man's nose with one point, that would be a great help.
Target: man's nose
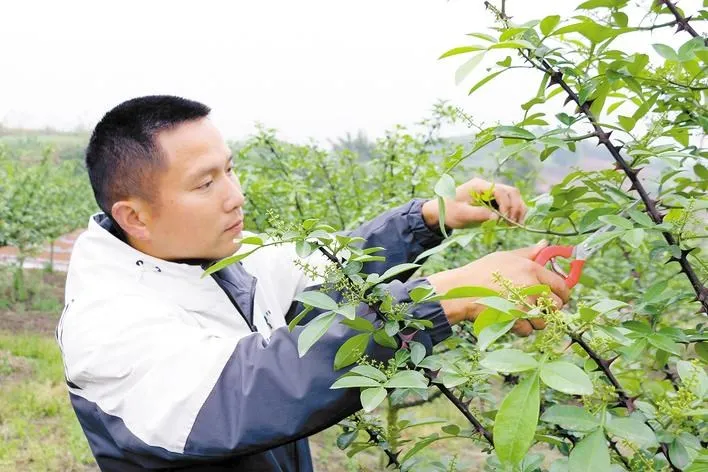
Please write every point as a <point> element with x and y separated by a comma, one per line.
<point>234,195</point>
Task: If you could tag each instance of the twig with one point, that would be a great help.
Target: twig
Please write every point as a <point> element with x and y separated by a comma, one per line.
<point>422,401</point>
<point>556,77</point>
<point>428,373</point>
<point>628,402</point>
<point>613,445</point>
<point>376,438</point>
<point>683,22</point>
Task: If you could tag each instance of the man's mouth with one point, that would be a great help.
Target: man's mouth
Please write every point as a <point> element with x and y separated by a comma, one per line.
<point>235,228</point>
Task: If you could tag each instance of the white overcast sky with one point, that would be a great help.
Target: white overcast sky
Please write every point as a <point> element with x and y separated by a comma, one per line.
<point>311,68</point>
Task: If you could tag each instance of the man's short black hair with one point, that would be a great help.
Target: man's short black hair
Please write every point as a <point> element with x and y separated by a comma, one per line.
<point>123,153</point>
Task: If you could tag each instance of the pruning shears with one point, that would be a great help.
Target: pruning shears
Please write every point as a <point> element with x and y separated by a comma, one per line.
<point>580,253</point>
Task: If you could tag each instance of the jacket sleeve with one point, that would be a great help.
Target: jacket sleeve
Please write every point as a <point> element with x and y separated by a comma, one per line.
<point>402,233</point>
<point>161,390</point>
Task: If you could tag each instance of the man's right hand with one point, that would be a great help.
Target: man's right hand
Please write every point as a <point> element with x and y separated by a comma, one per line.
<point>517,265</point>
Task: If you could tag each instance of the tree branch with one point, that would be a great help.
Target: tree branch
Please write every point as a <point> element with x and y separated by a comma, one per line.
<point>683,22</point>
<point>556,77</point>
<point>428,373</point>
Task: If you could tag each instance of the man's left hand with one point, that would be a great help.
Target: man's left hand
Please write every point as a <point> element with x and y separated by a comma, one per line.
<point>460,213</point>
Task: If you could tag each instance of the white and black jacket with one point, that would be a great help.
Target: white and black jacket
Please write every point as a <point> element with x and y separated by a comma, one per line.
<point>170,370</point>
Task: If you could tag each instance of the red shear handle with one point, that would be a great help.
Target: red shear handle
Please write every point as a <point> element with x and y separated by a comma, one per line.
<point>576,266</point>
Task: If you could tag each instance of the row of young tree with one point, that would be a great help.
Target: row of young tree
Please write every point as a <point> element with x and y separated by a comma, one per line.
<point>617,380</point>
<point>40,200</point>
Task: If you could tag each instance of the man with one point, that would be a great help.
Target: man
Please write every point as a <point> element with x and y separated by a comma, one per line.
<point>167,369</point>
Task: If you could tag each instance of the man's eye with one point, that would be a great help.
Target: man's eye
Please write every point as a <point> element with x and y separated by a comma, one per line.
<point>229,169</point>
<point>206,185</point>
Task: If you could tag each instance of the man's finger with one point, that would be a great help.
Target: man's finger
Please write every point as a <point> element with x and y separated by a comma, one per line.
<point>503,201</point>
<point>517,205</point>
<point>537,323</point>
<point>530,252</point>
<point>522,328</point>
<point>555,281</point>
<point>476,214</point>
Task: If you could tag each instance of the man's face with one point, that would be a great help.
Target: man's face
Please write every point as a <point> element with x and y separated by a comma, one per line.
<point>198,211</point>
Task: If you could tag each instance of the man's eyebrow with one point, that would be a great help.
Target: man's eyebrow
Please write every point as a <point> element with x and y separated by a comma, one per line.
<point>202,171</point>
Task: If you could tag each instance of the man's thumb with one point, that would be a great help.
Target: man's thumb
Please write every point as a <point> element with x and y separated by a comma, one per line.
<point>530,252</point>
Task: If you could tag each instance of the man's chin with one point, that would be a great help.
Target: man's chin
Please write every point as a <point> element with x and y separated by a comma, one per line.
<point>227,251</point>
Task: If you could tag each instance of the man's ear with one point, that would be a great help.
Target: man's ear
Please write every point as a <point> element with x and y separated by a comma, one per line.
<point>132,218</point>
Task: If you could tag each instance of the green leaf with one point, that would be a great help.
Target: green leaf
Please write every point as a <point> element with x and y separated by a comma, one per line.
<point>317,300</point>
<point>591,30</point>
<point>417,352</point>
<point>641,218</point>
<point>466,68</point>
<point>461,50</point>
<point>666,52</point>
<point>369,371</point>
<point>479,84</point>
<point>664,343</point>
<point>513,132</point>
<point>634,237</point>
<point>567,378</point>
<point>490,316</point>
<point>395,270</point>
<point>509,360</point>
<point>633,351</point>
<point>627,122</point>
<point>314,330</point>
<point>694,376</point>
<point>227,262</point>
<point>351,350</point>
<point>616,220</point>
<point>516,420</point>
<point>441,215</point>
<point>254,240</point>
<point>498,303</point>
<point>304,249</point>
<point>359,324</point>
<point>513,44</point>
<point>572,418</point>
<point>465,292</point>
<point>371,398</point>
<point>548,23</point>
<point>348,311</point>
<point>632,430</point>
<point>384,339</point>
<point>493,332</point>
<point>591,454</point>
<point>591,4</point>
<point>344,440</point>
<point>419,445</point>
<point>684,449</point>
<point>407,379</point>
<point>445,187</point>
<point>486,37</point>
<point>349,381</point>
<point>621,19</point>
<point>295,321</point>
<point>451,429</point>
<point>535,290</point>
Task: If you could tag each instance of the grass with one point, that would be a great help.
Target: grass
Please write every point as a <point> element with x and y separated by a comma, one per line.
<point>39,431</point>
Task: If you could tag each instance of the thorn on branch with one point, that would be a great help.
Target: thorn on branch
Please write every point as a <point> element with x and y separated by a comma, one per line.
<point>686,252</point>
<point>568,99</point>
<point>556,78</point>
